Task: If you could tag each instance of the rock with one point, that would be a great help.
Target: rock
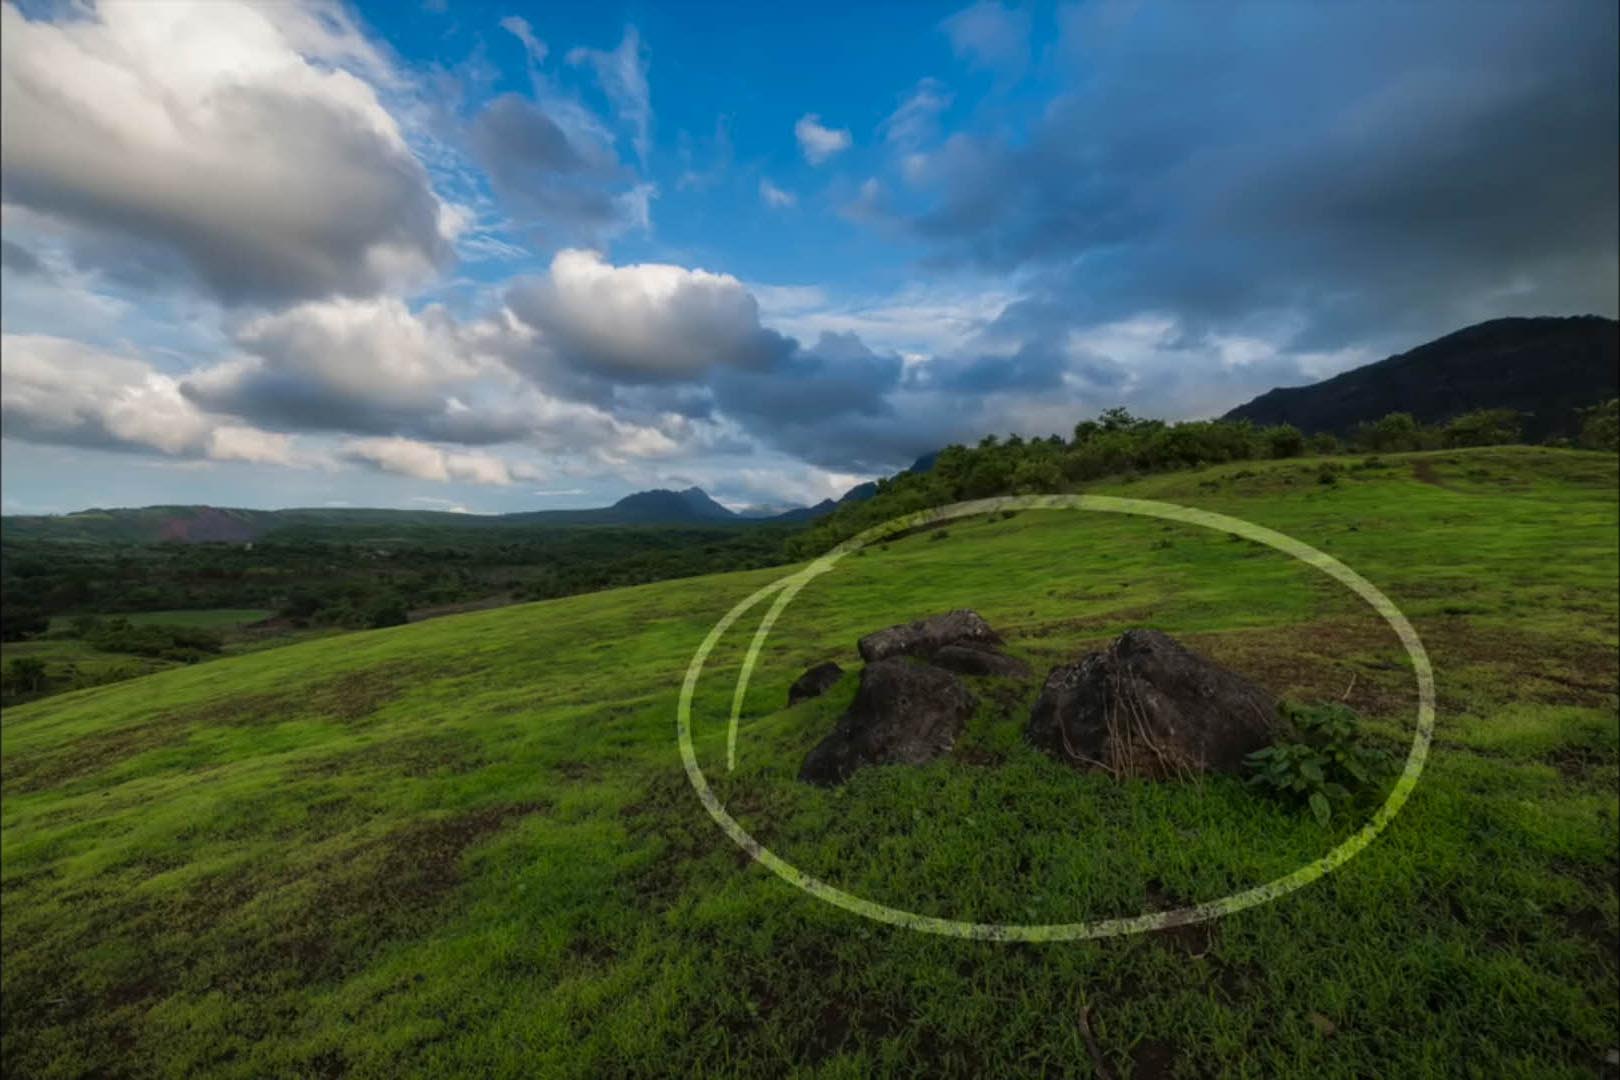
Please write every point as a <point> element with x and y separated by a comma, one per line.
<point>968,660</point>
<point>1147,706</point>
<point>904,713</point>
<point>927,636</point>
<point>815,682</point>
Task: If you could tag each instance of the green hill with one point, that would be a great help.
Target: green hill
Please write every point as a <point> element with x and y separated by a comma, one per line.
<point>468,846</point>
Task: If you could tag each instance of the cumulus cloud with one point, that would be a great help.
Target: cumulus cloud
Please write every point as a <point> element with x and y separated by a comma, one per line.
<point>774,197</point>
<point>361,366</point>
<point>819,143</point>
<point>645,322</point>
<point>57,391</point>
<point>244,147</point>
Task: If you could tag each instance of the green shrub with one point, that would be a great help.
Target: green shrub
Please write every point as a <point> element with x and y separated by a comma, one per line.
<point>1326,762</point>
<point>1600,426</point>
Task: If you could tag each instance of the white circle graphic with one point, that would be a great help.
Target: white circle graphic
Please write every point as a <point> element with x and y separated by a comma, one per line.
<point>786,588</point>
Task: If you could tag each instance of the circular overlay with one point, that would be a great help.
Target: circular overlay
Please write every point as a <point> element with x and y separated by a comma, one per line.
<point>787,587</point>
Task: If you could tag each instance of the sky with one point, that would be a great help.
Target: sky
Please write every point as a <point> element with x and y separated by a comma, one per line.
<point>446,255</point>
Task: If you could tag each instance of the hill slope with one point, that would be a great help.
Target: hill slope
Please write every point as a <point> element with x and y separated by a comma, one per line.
<point>467,847</point>
<point>1546,367</point>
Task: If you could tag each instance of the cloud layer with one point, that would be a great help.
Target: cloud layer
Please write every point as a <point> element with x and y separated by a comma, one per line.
<point>252,233</point>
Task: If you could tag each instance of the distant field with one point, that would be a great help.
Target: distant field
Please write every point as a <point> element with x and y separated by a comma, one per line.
<point>467,846</point>
<point>213,620</point>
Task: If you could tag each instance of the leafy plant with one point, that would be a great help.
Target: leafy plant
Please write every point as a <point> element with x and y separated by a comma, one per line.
<point>1329,762</point>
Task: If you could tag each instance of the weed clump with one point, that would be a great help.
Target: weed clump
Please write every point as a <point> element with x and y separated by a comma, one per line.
<point>1327,762</point>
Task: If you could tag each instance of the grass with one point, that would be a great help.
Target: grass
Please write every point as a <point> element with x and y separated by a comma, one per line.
<point>467,847</point>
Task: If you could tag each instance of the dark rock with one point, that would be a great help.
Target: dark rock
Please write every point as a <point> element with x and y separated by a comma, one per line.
<point>815,682</point>
<point>967,660</point>
<point>903,714</point>
<point>1147,706</point>
<point>927,636</point>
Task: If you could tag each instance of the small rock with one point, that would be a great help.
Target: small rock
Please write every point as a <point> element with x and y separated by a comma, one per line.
<point>1147,706</point>
<point>927,636</point>
<point>903,713</point>
<point>815,682</point>
<point>968,660</point>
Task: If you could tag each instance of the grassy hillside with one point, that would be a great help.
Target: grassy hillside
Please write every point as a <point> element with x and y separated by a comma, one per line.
<point>468,847</point>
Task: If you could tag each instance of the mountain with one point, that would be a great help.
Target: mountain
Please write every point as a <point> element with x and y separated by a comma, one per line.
<point>1546,368</point>
<point>661,506</point>
<point>202,524</point>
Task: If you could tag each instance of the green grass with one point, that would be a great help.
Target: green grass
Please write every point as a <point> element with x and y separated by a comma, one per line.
<point>467,846</point>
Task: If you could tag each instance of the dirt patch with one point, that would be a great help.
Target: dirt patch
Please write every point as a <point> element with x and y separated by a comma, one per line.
<point>1094,626</point>
<point>418,756</point>
<point>1152,1059</point>
<point>1589,924</point>
<point>1191,939</point>
<point>1423,470</point>
<point>979,756</point>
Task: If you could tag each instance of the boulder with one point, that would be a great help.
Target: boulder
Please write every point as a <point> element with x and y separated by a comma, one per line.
<point>903,713</point>
<point>968,660</point>
<point>1149,707</point>
<point>927,636</point>
<point>815,682</point>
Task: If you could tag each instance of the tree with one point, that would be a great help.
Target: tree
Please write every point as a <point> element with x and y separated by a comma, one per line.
<point>1484,427</point>
<point>1284,441</point>
<point>26,674</point>
<point>1600,426</point>
<point>1396,431</point>
<point>1037,477</point>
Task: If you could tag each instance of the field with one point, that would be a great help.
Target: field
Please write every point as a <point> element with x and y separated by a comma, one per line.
<point>468,846</point>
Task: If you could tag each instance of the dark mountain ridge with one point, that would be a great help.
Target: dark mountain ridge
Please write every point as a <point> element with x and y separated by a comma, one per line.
<point>1545,368</point>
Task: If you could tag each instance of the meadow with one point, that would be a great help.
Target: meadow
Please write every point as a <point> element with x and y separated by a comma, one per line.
<point>468,846</point>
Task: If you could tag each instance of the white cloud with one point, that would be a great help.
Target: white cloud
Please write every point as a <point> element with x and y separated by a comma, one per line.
<point>244,146</point>
<point>817,142</point>
<point>53,390</point>
<point>518,27</point>
<point>646,321</point>
<point>423,461</point>
<point>916,121</point>
<point>775,197</point>
<point>623,76</point>
<point>990,35</point>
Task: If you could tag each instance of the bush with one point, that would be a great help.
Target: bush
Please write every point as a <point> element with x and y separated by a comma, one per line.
<point>1285,441</point>
<point>25,675</point>
<point>1324,443</point>
<point>1484,427</point>
<point>1600,427</point>
<point>1326,762</point>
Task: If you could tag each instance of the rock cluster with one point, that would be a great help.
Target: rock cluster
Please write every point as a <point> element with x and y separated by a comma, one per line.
<point>910,706</point>
<point>1145,706</point>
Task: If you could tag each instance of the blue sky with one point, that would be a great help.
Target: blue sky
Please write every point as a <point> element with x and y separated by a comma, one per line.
<point>513,256</point>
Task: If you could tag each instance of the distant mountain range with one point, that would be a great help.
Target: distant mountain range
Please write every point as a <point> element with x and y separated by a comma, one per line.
<point>201,524</point>
<point>1546,368</point>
